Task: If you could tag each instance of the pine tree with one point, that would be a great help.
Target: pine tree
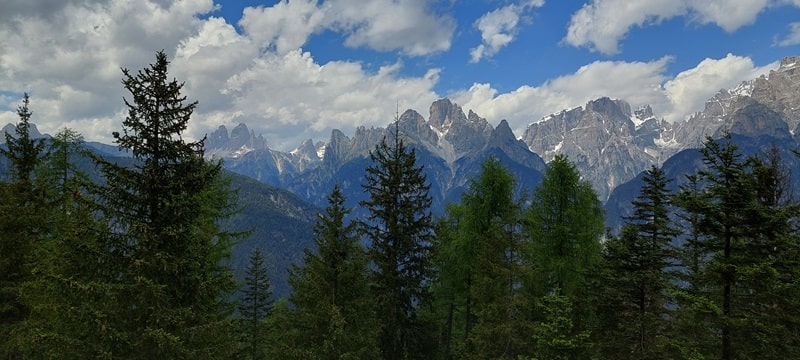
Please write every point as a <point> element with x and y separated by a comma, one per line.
<point>634,297</point>
<point>167,245</point>
<point>255,306</point>
<point>331,291</point>
<point>399,229</point>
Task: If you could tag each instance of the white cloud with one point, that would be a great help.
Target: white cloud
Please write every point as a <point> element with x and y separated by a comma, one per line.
<point>690,89</point>
<point>793,38</point>
<point>284,26</point>
<point>72,56</point>
<point>601,24</point>
<point>499,28</point>
<point>390,24</point>
<point>638,83</point>
<point>70,59</point>
<point>316,97</point>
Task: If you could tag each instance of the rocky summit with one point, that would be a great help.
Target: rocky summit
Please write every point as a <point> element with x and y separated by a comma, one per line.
<point>609,140</point>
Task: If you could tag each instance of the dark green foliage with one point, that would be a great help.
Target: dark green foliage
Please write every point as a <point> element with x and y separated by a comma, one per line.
<point>743,260</point>
<point>399,229</point>
<point>255,306</point>
<point>635,279</point>
<point>333,316</point>
<point>22,226</point>
<point>166,247</point>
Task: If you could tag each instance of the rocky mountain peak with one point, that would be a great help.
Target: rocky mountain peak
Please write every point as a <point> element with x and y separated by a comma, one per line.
<point>239,141</point>
<point>444,113</point>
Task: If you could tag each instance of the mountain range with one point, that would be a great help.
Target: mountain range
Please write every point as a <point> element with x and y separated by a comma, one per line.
<point>610,142</point>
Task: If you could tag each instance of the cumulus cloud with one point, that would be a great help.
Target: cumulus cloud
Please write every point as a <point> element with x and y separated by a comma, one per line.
<point>793,38</point>
<point>68,56</point>
<point>690,89</point>
<point>384,25</point>
<point>638,83</point>
<point>317,97</point>
<point>498,28</point>
<point>601,24</point>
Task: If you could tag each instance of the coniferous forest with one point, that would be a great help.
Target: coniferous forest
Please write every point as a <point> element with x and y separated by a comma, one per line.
<point>132,262</point>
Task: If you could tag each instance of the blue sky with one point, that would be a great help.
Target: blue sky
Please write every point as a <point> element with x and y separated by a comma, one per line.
<point>297,69</point>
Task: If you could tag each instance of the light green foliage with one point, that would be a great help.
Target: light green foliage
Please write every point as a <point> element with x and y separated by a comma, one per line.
<point>556,336</point>
<point>565,223</point>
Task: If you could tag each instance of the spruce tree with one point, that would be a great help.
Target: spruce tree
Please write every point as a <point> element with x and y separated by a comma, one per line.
<point>331,294</point>
<point>166,247</point>
<point>399,229</point>
<point>634,302</point>
<point>67,296</point>
<point>747,247</point>
<point>255,306</point>
<point>22,225</point>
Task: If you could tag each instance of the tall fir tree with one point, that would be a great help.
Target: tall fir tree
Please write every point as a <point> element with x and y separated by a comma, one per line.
<point>331,293</point>
<point>167,246</point>
<point>742,235</point>
<point>399,229</point>
<point>255,305</point>
<point>635,279</point>
<point>67,294</point>
<point>22,225</point>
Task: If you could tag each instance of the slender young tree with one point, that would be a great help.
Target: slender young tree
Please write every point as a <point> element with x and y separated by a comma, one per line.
<point>255,306</point>
<point>167,245</point>
<point>331,293</point>
<point>399,229</point>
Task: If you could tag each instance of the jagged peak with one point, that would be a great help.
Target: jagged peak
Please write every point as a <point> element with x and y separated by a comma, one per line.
<point>789,62</point>
<point>443,113</point>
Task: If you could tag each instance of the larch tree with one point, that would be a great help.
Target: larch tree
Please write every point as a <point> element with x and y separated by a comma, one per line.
<point>485,312</point>
<point>167,246</point>
<point>564,223</point>
<point>399,230</point>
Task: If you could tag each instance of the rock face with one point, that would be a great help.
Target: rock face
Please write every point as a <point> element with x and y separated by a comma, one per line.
<point>608,143</point>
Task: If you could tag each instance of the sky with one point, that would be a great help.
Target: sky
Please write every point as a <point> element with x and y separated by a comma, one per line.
<point>295,70</point>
